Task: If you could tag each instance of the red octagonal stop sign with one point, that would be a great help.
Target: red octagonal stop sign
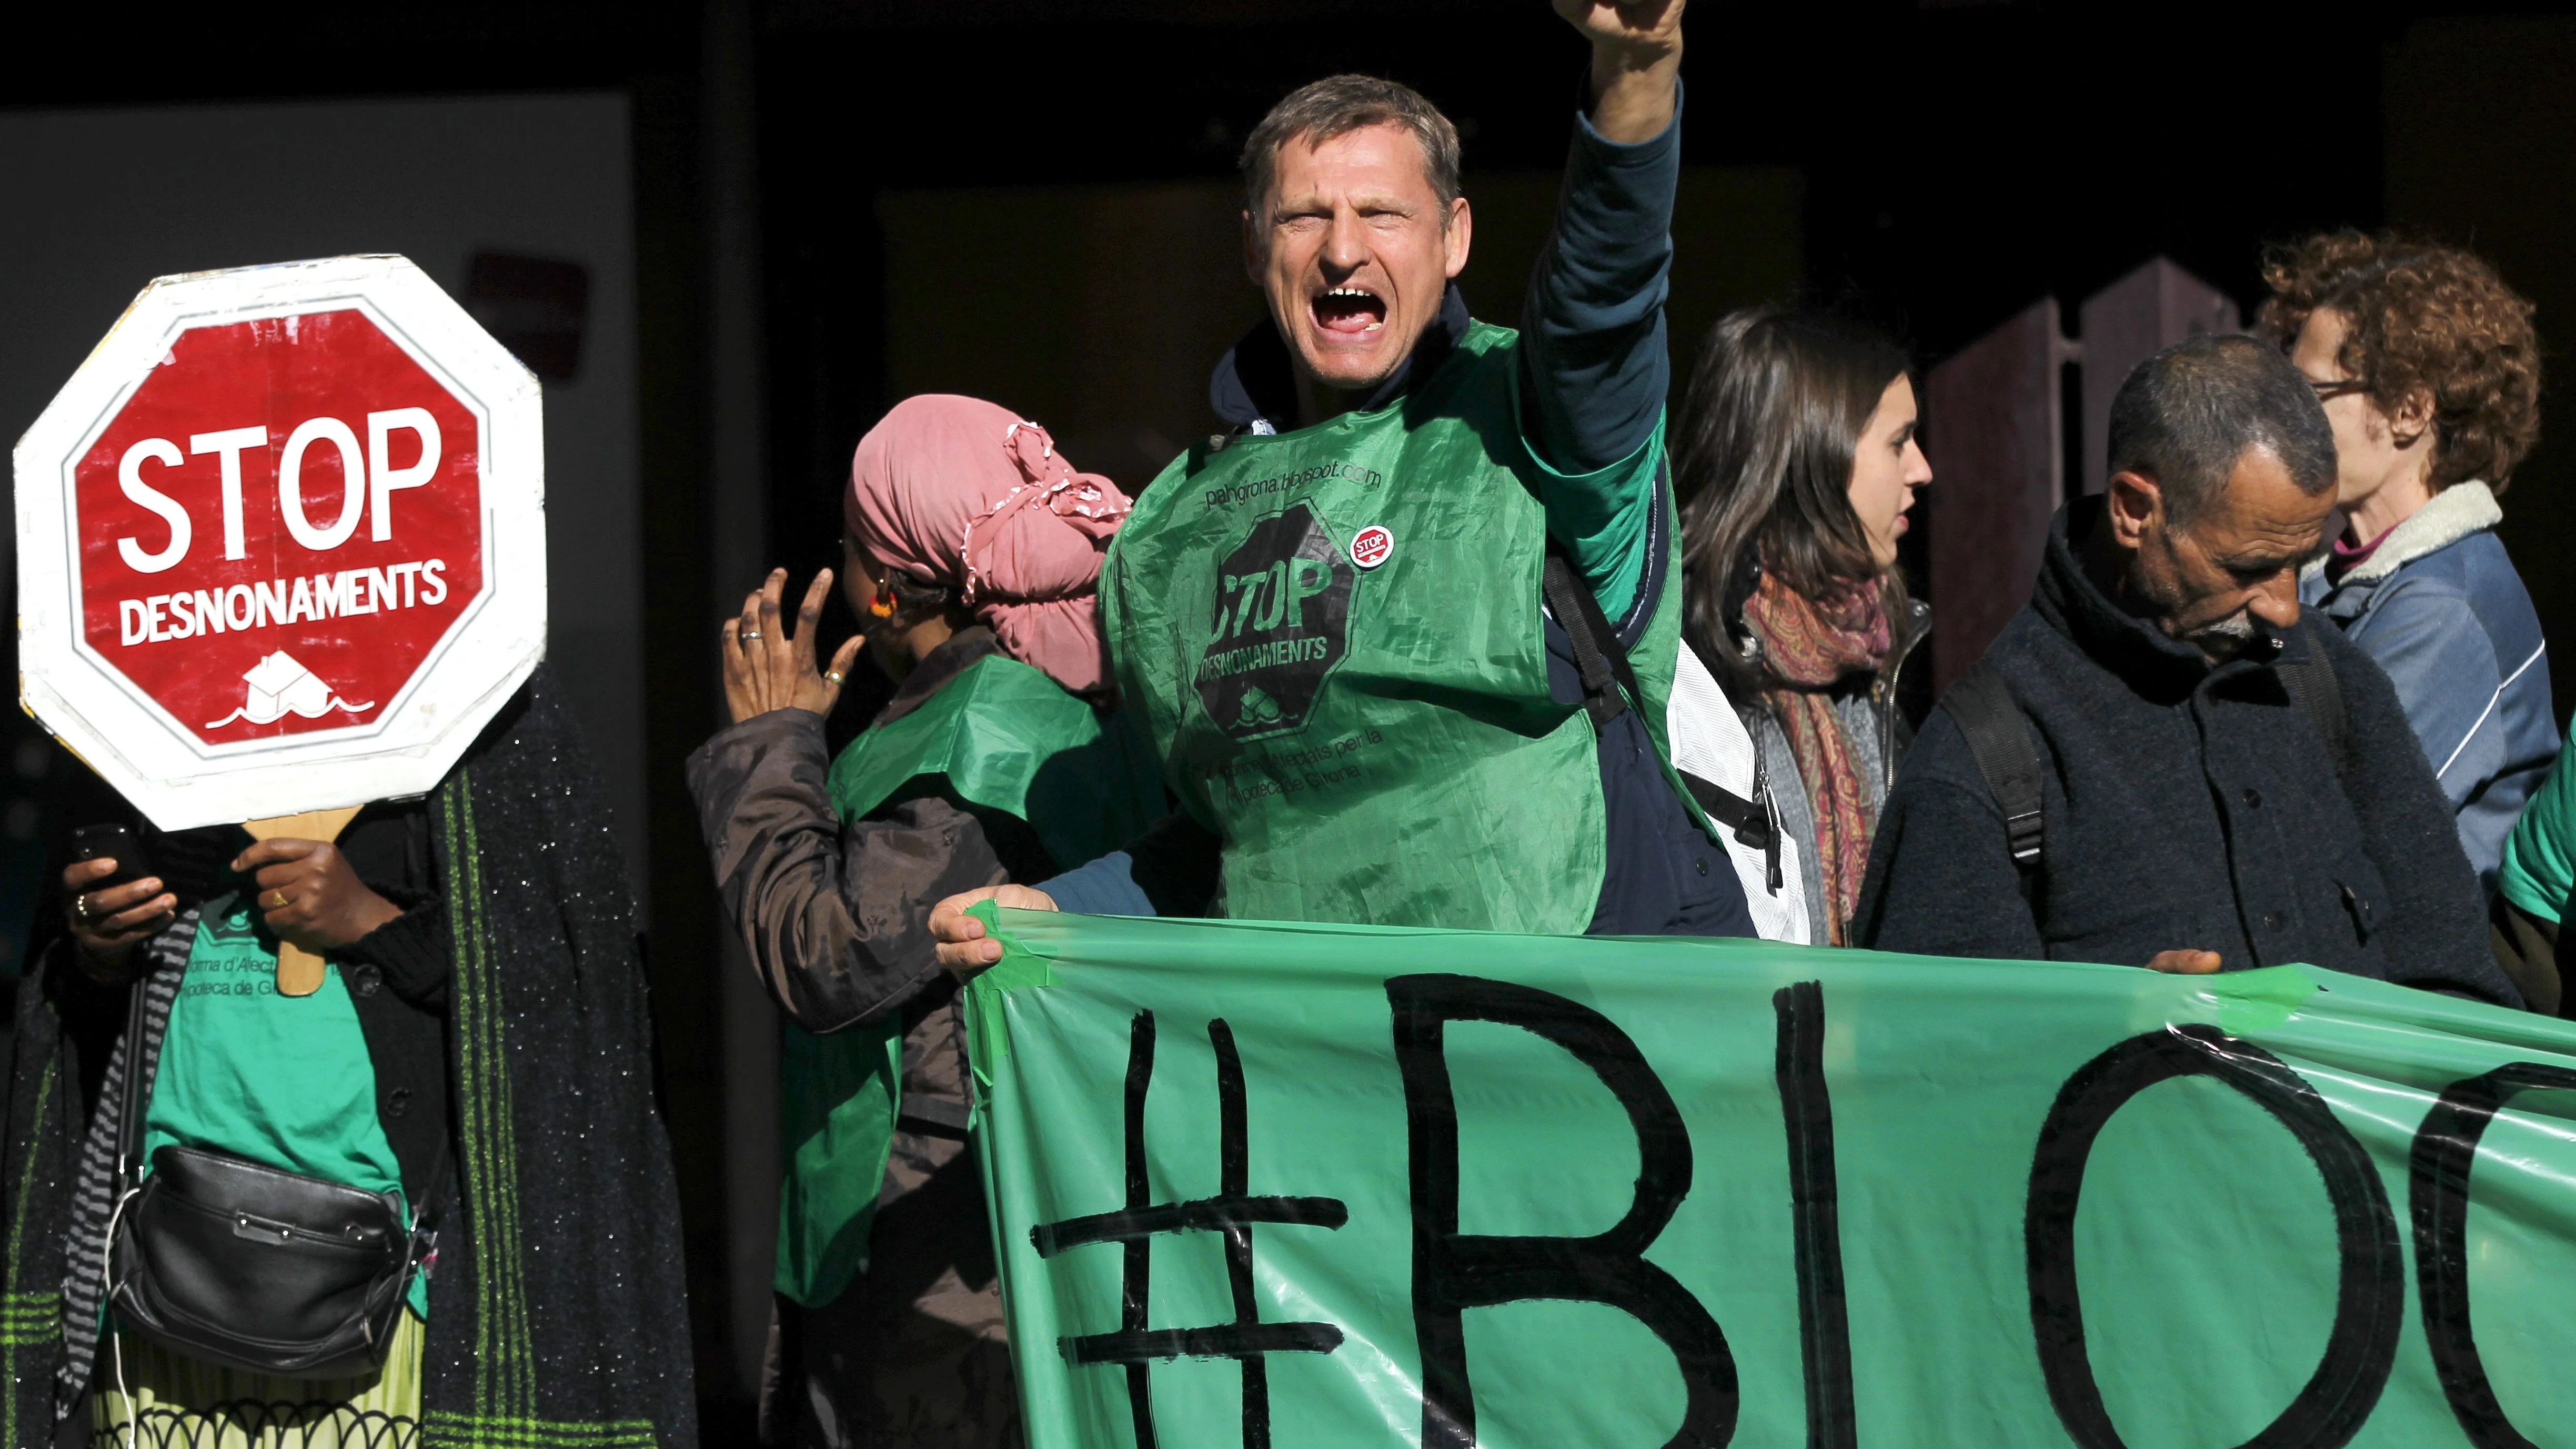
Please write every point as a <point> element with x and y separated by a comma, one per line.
<point>282,541</point>
<point>279,526</point>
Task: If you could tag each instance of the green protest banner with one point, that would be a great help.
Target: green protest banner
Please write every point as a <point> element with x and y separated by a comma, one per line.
<point>1269,1184</point>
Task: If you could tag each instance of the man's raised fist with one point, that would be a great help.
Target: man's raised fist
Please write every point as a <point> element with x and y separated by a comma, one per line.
<point>1648,26</point>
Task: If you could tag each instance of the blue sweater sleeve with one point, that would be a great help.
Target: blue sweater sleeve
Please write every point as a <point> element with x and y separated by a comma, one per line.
<point>1596,364</point>
<point>1103,887</point>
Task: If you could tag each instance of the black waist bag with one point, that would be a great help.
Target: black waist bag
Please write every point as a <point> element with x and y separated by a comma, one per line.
<point>233,1262</point>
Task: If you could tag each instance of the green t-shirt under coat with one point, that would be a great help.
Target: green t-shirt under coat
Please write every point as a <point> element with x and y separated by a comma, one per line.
<point>280,1080</point>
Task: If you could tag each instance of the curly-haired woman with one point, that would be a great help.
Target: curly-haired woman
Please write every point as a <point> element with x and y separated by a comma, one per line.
<point>2430,372</point>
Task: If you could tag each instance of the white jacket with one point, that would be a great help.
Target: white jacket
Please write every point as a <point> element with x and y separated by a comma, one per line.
<point>1709,740</point>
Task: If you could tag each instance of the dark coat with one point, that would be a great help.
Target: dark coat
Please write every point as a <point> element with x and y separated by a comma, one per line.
<point>2185,807</point>
<point>834,914</point>
<point>557,1312</point>
<point>835,917</point>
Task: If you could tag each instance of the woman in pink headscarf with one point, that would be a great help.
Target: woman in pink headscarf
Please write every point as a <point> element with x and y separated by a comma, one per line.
<point>972,551</point>
<point>960,514</point>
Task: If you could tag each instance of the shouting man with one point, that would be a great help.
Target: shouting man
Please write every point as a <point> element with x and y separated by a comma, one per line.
<point>1381,633</point>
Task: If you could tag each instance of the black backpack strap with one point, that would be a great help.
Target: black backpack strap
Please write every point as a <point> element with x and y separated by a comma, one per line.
<point>1750,822</point>
<point>1754,822</point>
<point>1608,682</point>
<point>1998,735</point>
<point>129,1106</point>
<point>425,1212</point>
<point>2312,686</point>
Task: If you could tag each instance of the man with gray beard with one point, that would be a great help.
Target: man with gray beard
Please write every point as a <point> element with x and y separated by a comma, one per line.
<point>2222,783</point>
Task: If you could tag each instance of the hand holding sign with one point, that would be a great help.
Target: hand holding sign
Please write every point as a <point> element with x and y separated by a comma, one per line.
<point>312,900</point>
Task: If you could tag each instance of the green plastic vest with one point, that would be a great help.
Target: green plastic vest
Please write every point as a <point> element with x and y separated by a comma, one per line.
<point>1333,639</point>
<point>1002,736</point>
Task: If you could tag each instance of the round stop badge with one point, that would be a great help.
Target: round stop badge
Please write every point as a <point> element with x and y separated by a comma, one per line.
<point>281,541</point>
<point>1372,546</point>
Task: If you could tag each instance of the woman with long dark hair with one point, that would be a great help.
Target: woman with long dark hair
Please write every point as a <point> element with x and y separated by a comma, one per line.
<point>1797,452</point>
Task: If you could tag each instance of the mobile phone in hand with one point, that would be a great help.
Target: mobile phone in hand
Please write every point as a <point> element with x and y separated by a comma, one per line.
<point>117,843</point>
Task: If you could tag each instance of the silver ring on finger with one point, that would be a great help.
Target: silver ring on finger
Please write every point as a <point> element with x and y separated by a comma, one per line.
<point>748,635</point>
<point>834,676</point>
<point>80,908</point>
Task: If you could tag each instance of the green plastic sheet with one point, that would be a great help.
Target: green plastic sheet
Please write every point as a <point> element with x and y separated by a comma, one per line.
<point>1306,1185</point>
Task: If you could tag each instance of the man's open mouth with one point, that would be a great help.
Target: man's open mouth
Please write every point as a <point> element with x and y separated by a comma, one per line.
<point>1349,311</point>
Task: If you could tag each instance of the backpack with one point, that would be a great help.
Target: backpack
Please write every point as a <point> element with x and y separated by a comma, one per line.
<point>1997,730</point>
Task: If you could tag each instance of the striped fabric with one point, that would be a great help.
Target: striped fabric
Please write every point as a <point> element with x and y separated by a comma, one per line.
<point>30,1321</point>
<point>504,1415</point>
<point>30,1318</point>
<point>471,1431</point>
<point>94,1194</point>
<point>505,1379</point>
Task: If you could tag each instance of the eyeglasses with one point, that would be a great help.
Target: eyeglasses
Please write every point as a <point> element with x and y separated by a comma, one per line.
<point>2329,391</point>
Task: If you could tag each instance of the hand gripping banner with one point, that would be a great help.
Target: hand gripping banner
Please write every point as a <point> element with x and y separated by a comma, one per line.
<point>1267,1184</point>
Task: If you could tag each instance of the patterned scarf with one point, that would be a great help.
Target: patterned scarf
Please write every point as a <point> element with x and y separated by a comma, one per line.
<point>1807,646</point>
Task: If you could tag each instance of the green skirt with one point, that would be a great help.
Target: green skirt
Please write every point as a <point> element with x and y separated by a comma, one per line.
<point>175,1402</point>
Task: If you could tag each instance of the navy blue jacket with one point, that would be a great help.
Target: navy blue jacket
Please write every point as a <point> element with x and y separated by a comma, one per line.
<point>2440,608</point>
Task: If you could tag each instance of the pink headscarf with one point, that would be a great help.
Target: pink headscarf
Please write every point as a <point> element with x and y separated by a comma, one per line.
<point>963,493</point>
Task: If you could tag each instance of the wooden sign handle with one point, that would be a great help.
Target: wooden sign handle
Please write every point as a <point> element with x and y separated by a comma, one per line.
<point>299,972</point>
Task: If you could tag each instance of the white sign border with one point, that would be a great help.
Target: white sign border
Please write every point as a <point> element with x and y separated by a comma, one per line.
<point>177,780</point>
